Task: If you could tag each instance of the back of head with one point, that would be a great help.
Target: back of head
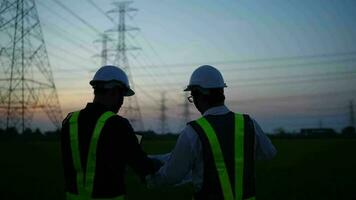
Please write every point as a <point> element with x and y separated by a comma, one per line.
<point>207,87</point>
<point>206,77</point>
<point>111,77</point>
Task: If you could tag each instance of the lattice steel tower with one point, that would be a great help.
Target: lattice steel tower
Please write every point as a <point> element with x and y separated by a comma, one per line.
<point>131,108</point>
<point>26,80</point>
<point>163,117</point>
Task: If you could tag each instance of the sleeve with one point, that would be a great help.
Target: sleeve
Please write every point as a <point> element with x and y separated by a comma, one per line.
<point>123,148</point>
<point>66,153</point>
<point>136,158</point>
<point>264,147</point>
<point>180,161</point>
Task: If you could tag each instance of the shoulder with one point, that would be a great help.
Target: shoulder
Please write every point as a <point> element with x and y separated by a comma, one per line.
<point>249,118</point>
<point>119,122</point>
<point>256,126</point>
<point>252,123</point>
<point>116,131</point>
<point>189,134</point>
<point>188,131</point>
<point>118,118</point>
<point>191,129</point>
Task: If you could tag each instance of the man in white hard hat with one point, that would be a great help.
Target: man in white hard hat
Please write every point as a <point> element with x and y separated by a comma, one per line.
<point>97,144</point>
<point>219,149</point>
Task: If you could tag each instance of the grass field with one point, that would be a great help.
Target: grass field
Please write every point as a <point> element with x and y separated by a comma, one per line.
<point>303,169</point>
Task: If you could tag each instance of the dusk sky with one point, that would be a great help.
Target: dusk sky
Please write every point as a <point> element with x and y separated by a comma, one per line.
<point>289,64</point>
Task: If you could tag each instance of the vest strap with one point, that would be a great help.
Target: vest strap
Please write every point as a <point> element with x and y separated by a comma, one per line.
<point>70,196</point>
<point>91,162</point>
<point>239,131</point>
<point>218,158</point>
<point>239,155</point>
<point>74,144</point>
<point>85,182</point>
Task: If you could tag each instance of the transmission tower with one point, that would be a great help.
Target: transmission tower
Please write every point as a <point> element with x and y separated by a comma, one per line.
<point>163,117</point>
<point>131,108</point>
<point>26,80</point>
<point>104,54</point>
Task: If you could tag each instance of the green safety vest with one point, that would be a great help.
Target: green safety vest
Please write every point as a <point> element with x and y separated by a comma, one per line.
<point>85,176</point>
<point>223,175</point>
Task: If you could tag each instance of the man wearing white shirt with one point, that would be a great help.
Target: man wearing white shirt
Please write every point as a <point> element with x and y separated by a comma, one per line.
<point>218,149</point>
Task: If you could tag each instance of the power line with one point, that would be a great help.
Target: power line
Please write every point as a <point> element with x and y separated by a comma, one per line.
<point>268,67</point>
<point>295,82</point>
<point>54,12</point>
<point>71,41</point>
<point>287,79</point>
<point>71,62</point>
<point>71,53</point>
<point>152,98</point>
<point>257,60</point>
<point>70,37</point>
<point>292,77</point>
<point>178,73</point>
<point>158,84</point>
<point>162,86</point>
<point>77,16</point>
<point>101,10</point>
<point>330,94</point>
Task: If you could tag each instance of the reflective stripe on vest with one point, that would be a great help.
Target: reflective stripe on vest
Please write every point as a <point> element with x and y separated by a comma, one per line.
<point>70,196</point>
<point>85,179</point>
<point>218,158</point>
<point>239,155</point>
<point>225,184</point>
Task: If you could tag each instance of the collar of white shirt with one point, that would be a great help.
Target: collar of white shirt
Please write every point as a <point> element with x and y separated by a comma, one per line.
<point>217,110</point>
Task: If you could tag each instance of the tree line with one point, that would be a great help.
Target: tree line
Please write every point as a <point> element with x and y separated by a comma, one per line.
<point>36,134</point>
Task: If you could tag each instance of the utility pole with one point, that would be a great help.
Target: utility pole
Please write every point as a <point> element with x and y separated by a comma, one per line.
<point>352,116</point>
<point>131,107</point>
<point>163,117</point>
<point>26,80</point>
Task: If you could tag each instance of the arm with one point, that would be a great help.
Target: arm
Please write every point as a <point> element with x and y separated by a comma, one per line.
<point>180,161</point>
<point>136,158</point>
<point>125,149</point>
<point>264,147</point>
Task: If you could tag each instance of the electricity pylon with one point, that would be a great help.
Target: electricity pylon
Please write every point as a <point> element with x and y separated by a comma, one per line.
<point>26,80</point>
<point>163,117</point>
<point>131,108</point>
<point>104,54</point>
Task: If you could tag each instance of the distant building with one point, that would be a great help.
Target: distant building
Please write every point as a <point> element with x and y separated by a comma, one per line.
<point>317,131</point>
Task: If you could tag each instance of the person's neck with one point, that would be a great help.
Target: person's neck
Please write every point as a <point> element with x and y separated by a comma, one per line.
<point>102,102</point>
<point>207,107</point>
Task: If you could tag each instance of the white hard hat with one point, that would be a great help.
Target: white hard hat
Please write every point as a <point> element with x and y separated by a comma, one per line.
<point>110,76</point>
<point>206,77</point>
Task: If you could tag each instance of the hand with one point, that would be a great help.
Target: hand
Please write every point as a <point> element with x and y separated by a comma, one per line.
<point>157,164</point>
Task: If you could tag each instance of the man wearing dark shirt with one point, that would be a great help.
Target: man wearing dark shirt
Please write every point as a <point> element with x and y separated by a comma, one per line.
<point>97,144</point>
